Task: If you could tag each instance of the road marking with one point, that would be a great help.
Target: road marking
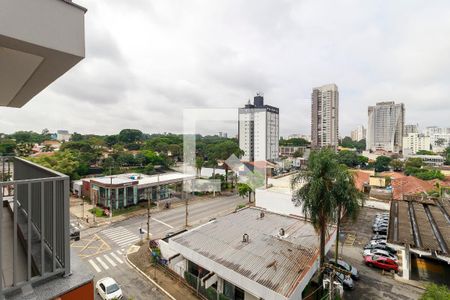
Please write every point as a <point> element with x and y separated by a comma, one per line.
<point>116,258</point>
<point>121,236</point>
<point>159,221</point>
<point>94,265</point>
<point>119,252</point>
<point>104,265</point>
<point>109,260</point>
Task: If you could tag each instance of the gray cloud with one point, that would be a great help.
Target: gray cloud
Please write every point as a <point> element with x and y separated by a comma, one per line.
<point>147,61</point>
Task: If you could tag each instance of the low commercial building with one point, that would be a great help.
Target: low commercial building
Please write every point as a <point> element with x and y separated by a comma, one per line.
<point>290,150</point>
<point>128,189</point>
<point>251,254</point>
<point>420,226</point>
<point>430,160</point>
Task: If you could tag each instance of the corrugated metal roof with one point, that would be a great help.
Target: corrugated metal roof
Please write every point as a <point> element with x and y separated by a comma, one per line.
<point>274,262</point>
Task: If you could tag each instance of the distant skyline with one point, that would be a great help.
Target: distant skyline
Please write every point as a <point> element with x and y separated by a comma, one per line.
<point>146,61</point>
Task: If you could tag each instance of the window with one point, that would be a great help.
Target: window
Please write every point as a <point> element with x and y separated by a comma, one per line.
<point>102,286</point>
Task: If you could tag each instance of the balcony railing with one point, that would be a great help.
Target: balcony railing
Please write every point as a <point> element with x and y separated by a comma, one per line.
<point>34,233</point>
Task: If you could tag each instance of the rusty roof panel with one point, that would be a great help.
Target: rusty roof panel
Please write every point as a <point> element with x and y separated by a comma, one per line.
<point>442,223</point>
<point>274,262</point>
<point>405,232</point>
<point>429,241</point>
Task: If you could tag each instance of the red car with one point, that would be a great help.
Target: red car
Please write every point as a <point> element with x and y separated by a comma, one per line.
<point>381,262</point>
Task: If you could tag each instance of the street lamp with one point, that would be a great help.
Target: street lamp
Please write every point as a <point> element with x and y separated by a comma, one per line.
<point>148,213</point>
<point>110,200</point>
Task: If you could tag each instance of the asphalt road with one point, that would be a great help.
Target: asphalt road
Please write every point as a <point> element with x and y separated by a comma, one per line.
<point>104,248</point>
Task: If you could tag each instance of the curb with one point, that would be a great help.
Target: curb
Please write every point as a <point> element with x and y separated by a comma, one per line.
<point>408,282</point>
<point>149,279</point>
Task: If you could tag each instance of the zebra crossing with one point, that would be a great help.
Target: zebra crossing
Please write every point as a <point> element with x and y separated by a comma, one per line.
<point>106,261</point>
<point>121,236</point>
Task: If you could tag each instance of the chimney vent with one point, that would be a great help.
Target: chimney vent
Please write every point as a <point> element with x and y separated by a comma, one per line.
<point>245,238</point>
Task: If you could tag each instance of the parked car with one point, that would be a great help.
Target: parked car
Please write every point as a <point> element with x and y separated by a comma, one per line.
<point>74,233</point>
<point>108,289</point>
<point>344,265</point>
<point>380,246</point>
<point>380,253</point>
<point>381,262</point>
<point>345,280</point>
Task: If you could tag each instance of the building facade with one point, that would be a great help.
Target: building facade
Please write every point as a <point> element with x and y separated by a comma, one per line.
<point>411,128</point>
<point>63,135</point>
<point>386,126</point>
<point>325,116</point>
<point>359,133</point>
<point>259,130</point>
<point>439,137</point>
<point>414,142</point>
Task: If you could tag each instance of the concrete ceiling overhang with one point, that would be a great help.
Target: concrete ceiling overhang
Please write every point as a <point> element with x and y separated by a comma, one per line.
<point>40,40</point>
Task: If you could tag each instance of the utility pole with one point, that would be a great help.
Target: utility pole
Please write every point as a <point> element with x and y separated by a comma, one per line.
<point>186,202</point>
<point>333,272</point>
<point>110,200</point>
<point>148,214</point>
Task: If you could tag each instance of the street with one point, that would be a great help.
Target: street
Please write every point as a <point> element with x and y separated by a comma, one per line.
<point>104,248</point>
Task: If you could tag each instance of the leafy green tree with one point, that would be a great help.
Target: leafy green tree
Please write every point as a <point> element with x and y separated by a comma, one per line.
<point>396,165</point>
<point>244,190</point>
<point>298,153</point>
<point>294,142</point>
<point>348,158</point>
<point>127,136</point>
<point>322,189</point>
<point>7,147</point>
<point>382,163</point>
<point>24,149</point>
<point>199,161</point>
<point>436,292</point>
<point>347,142</point>
<point>111,140</point>
<point>149,169</point>
<point>64,162</point>
<point>447,155</point>
<point>363,161</point>
<point>425,152</point>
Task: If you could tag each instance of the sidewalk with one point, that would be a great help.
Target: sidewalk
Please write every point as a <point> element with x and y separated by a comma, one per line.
<point>174,286</point>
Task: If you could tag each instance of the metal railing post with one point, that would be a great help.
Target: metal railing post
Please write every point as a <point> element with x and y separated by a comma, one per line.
<point>54,227</point>
<point>15,236</point>
<point>67,268</point>
<point>42,228</point>
<point>1,239</point>
<point>29,233</point>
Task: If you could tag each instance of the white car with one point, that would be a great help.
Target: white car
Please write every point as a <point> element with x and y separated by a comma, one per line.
<point>380,253</point>
<point>108,289</point>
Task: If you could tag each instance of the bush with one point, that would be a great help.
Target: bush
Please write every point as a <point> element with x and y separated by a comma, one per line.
<point>97,211</point>
<point>436,292</point>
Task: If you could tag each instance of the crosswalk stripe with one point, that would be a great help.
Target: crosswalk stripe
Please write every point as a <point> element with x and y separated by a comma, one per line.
<point>104,265</point>
<point>127,240</point>
<point>94,265</point>
<point>119,238</point>
<point>119,252</point>
<point>116,258</point>
<point>109,260</point>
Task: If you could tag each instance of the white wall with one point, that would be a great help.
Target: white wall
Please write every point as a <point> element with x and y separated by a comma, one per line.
<point>166,250</point>
<point>207,172</point>
<point>278,201</point>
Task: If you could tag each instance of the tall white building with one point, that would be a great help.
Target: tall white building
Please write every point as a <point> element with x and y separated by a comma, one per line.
<point>415,142</point>
<point>325,116</point>
<point>439,137</point>
<point>63,135</point>
<point>359,133</point>
<point>259,130</point>
<point>411,128</point>
<point>386,126</point>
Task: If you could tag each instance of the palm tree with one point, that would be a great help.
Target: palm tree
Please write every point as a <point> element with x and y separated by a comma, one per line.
<point>346,196</point>
<point>199,161</point>
<point>324,189</point>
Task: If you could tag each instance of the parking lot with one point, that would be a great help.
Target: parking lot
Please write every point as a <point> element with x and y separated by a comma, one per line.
<point>373,283</point>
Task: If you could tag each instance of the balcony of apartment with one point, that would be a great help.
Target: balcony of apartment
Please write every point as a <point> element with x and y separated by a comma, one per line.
<point>34,230</point>
<point>40,40</point>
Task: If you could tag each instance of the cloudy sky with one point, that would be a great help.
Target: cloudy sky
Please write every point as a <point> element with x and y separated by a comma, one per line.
<point>147,60</point>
